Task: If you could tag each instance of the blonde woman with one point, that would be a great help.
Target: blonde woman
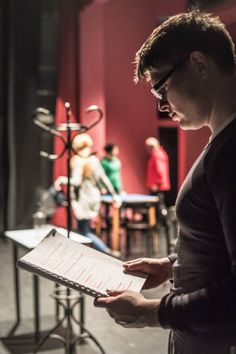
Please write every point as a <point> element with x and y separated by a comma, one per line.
<point>87,175</point>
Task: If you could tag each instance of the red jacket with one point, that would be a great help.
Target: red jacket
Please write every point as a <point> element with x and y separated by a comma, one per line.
<point>158,169</point>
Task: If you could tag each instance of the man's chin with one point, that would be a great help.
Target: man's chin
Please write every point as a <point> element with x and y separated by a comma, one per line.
<point>186,125</point>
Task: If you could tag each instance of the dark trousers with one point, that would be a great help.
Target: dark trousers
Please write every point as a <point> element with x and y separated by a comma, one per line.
<point>182,346</point>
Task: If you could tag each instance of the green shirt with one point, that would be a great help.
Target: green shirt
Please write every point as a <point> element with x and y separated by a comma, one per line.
<point>112,168</point>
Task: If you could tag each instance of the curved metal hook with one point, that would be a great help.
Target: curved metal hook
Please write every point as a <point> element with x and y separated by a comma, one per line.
<point>70,125</point>
<point>49,130</point>
<point>87,128</point>
<point>52,156</point>
<point>63,127</point>
<point>100,115</point>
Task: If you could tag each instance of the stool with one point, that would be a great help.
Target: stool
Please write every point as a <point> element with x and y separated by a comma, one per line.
<point>145,228</point>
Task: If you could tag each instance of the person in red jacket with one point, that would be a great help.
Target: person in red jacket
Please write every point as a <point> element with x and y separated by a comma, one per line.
<point>158,178</point>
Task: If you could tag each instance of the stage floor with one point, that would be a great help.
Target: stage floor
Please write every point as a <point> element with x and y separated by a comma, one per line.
<point>113,338</point>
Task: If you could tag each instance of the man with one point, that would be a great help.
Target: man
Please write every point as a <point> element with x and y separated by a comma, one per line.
<point>158,179</point>
<point>190,62</point>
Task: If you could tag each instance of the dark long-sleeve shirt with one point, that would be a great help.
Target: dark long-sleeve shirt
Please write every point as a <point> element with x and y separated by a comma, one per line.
<point>203,297</point>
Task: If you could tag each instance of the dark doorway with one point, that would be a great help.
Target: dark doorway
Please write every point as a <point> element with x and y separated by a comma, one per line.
<point>169,140</point>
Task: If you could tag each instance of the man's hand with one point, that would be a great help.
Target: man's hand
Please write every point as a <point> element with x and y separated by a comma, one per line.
<point>158,270</point>
<point>59,182</point>
<point>116,201</point>
<point>155,188</point>
<point>130,309</point>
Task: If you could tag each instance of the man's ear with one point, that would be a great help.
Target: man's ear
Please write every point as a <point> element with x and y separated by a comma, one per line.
<point>200,63</point>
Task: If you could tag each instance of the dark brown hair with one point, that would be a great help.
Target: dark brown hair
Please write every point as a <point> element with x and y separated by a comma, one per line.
<point>109,147</point>
<point>182,34</point>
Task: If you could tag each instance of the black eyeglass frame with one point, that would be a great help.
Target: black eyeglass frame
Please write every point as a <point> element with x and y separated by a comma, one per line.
<point>155,90</point>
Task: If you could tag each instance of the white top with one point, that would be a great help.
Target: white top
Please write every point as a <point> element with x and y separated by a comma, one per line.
<point>30,238</point>
<point>87,204</point>
<point>86,200</point>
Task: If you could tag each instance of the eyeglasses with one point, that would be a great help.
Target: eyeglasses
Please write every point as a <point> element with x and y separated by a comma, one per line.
<point>155,90</point>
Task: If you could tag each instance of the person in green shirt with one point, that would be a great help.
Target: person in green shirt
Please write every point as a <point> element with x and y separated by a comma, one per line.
<point>112,166</point>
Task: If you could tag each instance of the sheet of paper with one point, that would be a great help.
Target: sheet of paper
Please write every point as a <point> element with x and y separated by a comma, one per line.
<point>83,265</point>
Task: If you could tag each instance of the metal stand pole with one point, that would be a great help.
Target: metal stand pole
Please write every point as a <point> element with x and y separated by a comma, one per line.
<point>64,297</point>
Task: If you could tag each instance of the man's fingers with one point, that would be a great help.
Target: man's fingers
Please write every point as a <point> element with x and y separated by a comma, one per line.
<point>139,265</point>
<point>104,301</point>
<point>111,292</point>
<point>133,261</point>
<point>100,302</point>
<point>120,322</point>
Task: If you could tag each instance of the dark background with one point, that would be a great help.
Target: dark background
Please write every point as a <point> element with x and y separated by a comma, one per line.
<point>28,80</point>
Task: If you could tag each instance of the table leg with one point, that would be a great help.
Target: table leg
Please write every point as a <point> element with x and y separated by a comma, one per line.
<point>36,309</point>
<point>17,291</point>
<point>56,287</point>
<point>153,226</point>
<point>115,228</point>
<point>152,216</point>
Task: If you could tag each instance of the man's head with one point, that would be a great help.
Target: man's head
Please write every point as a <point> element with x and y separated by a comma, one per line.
<point>190,62</point>
<point>82,144</point>
<point>151,143</point>
<point>180,35</point>
<point>111,149</point>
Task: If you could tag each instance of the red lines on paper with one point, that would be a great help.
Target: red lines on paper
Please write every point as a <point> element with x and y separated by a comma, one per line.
<point>50,255</point>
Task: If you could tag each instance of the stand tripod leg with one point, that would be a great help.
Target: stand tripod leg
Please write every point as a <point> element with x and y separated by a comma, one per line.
<point>89,334</point>
<point>36,308</point>
<point>50,334</point>
<point>86,334</point>
<point>69,345</point>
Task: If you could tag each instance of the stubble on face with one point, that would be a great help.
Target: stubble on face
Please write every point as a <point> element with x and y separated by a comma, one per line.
<point>189,102</point>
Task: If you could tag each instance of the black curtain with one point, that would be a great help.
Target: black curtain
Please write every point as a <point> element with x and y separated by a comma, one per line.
<point>3,128</point>
<point>19,138</point>
<point>28,72</point>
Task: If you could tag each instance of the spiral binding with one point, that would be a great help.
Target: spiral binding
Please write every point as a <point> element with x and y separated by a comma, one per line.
<point>58,278</point>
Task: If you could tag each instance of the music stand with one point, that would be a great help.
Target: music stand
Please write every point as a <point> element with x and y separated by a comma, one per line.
<point>65,297</point>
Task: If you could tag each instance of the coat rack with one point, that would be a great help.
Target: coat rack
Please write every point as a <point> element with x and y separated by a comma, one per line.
<point>66,298</point>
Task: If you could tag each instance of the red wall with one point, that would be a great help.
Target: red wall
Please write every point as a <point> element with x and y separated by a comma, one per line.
<point>111,33</point>
<point>92,69</point>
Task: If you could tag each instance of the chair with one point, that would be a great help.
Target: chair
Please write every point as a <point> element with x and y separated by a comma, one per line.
<point>143,220</point>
